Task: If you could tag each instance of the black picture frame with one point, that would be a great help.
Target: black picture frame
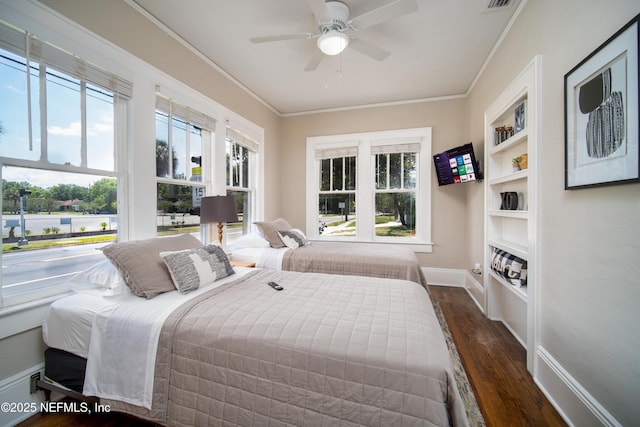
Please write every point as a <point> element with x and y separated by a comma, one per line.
<point>601,114</point>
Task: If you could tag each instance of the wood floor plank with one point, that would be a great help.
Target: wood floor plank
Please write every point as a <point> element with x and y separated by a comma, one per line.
<point>494,361</point>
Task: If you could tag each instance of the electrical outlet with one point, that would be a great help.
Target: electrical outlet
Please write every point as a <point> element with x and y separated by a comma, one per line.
<point>32,383</point>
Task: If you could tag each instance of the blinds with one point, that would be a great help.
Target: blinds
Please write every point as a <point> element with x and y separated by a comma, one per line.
<point>396,148</point>
<point>242,139</point>
<point>188,114</point>
<point>331,153</point>
<point>33,49</point>
<point>12,39</point>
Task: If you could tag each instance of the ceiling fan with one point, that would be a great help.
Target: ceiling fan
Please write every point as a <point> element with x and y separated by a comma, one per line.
<point>334,22</point>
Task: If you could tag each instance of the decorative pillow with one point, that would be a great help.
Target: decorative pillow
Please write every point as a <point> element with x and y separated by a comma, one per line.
<point>101,279</point>
<point>220,255</point>
<point>141,266</point>
<point>293,238</point>
<point>193,268</point>
<point>269,230</point>
<point>509,266</point>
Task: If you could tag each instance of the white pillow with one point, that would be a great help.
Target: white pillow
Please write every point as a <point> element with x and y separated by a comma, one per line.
<point>251,240</point>
<point>101,279</point>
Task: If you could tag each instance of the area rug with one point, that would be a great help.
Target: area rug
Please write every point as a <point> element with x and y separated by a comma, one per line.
<point>466,392</point>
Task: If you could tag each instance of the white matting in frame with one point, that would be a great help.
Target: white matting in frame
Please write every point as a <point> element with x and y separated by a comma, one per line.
<point>601,114</point>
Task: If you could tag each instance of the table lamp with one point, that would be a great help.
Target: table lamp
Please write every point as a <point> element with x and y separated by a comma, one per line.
<point>218,209</point>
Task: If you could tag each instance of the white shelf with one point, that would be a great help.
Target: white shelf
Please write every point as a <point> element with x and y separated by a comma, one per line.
<point>513,248</point>
<point>520,292</point>
<point>518,138</point>
<point>514,176</point>
<point>518,214</point>
<point>513,231</point>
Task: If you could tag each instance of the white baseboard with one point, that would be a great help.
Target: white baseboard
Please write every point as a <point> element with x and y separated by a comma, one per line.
<point>444,276</point>
<point>459,279</point>
<point>15,391</point>
<point>573,402</point>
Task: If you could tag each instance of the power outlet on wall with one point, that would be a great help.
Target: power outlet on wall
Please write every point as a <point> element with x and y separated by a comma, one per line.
<point>477,268</point>
<point>32,382</point>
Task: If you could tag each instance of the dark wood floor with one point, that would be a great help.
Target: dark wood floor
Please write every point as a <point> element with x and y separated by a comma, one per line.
<point>494,361</point>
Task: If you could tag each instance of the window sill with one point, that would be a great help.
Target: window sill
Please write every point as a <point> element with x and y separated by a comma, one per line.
<point>415,246</point>
<point>23,317</point>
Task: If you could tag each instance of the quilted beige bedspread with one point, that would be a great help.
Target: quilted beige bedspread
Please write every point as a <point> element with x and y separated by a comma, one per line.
<point>358,259</point>
<point>326,350</point>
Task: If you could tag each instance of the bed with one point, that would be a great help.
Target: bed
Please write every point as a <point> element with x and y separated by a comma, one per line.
<point>326,349</point>
<point>278,246</point>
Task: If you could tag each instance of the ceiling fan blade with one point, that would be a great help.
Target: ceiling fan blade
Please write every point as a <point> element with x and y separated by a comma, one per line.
<point>315,60</point>
<point>282,37</point>
<point>319,9</point>
<point>368,49</point>
<point>390,11</point>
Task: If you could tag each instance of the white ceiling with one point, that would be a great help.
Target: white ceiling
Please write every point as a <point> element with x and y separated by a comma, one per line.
<point>436,51</point>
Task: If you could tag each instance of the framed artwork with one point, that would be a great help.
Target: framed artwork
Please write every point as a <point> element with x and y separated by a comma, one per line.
<point>601,114</point>
<point>519,120</point>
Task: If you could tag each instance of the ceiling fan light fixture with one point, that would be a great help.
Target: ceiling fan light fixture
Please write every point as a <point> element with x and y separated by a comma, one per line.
<point>333,42</point>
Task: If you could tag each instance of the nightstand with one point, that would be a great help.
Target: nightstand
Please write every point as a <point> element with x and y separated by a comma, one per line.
<point>242,264</point>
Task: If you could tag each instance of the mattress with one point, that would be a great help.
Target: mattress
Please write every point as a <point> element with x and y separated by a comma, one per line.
<point>67,325</point>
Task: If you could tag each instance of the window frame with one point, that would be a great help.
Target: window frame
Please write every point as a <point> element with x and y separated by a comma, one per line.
<point>365,183</point>
<point>64,65</point>
<point>233,136</point>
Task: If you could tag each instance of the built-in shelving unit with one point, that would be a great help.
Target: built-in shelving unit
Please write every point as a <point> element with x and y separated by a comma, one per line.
<point>511,131</point>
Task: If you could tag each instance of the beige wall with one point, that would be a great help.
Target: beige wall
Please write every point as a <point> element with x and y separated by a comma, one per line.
<point>590,287</point>
<point>447,118</point>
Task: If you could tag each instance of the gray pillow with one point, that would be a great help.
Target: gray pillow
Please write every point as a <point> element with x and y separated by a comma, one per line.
<point>293,238</point>
<point>141,266</point>
<point>269,230</point>
<point>222,257</point>
<point>193,268</point>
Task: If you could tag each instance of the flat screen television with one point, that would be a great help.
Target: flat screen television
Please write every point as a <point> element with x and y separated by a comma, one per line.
<point>457,165</point>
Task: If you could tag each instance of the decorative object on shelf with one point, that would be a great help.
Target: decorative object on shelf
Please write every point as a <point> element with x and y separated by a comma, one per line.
<point>519,120</point>
<point>509,201</point>
<point>601,114</point>
<point>501,134</point>
<point>515,164</point>
<point>510,267</point>
<point>524,161</point>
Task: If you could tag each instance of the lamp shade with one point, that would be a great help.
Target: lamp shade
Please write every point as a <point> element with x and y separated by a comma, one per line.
<point>333,42</point>
<point>218,209</point>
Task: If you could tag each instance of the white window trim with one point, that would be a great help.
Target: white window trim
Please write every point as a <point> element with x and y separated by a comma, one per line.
<point>365,179</point>
<point>136,183</point>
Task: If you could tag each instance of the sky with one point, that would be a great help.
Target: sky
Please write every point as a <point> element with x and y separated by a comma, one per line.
<point>64,128</point>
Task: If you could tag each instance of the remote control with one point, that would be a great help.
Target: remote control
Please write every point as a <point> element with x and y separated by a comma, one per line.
<point>275,286</point>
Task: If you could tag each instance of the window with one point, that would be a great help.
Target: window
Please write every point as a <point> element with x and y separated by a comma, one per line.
<point>371,187</point>
<point>395,190</point>
<point>182,138</point>
<point>59,118</point>
<point>337,192</point>
<point>240,175</point>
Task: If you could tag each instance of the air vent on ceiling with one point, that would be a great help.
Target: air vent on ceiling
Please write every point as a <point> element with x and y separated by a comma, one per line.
<point>497,4</point>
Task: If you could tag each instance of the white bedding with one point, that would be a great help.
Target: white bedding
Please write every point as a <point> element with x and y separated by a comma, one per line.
<point>67,325</point>
<point>269,258</point>
<point>85,325</point>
